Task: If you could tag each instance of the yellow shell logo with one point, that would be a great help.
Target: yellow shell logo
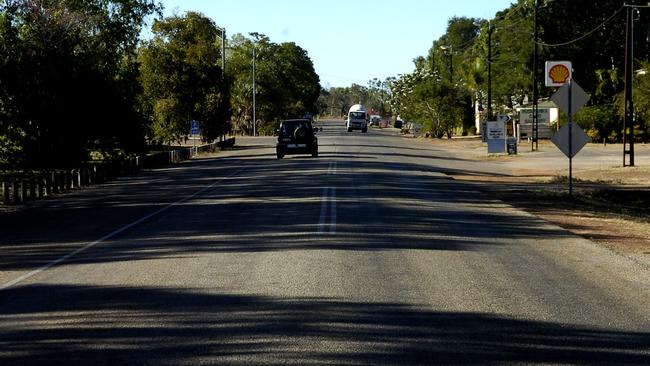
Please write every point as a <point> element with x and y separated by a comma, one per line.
<point>559,74</point>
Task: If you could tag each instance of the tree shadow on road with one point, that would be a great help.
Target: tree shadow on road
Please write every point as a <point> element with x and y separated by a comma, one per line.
<point>279,212</point>
<point>65,325</point>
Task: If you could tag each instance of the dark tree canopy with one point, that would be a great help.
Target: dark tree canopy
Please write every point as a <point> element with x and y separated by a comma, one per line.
<point>66,68</point>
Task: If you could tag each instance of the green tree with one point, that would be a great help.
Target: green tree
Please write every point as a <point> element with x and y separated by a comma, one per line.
<point>592,37</point>
<point>287,85</point>
<point>62,66</point>
<point>337,101</point>
<point>598,121</point>
<point>379,96</point>
<point>182,78</point>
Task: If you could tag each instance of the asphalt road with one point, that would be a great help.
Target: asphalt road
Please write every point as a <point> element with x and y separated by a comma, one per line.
<point>369,254</point>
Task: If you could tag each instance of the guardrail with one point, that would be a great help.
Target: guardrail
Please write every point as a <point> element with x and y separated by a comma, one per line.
<point>18,187</point>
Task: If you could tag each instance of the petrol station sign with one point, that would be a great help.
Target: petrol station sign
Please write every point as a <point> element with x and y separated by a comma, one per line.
<point>558,73</point>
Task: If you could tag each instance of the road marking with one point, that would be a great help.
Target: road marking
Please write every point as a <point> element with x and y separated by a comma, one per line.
<point>114,233</point>
<point>327,220</point>
<point>332,168</point>
<point>328,200</point>
<point>323,211</point>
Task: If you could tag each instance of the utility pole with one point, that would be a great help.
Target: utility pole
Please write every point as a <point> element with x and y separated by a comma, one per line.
<point>223,52</point>
<point>451,64</point>
<point>254,92</point>
<point>628,122</point>
<point>489,65</point>
<point>223,67</point>
<point>535,127</point>
<point>448,50</point>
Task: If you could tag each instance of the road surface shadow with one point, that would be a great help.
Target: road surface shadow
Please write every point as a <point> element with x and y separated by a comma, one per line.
<point>66,325</point>
<point>280,212</point>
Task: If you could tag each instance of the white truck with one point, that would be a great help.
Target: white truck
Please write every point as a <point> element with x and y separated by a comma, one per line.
<point>357,118</point>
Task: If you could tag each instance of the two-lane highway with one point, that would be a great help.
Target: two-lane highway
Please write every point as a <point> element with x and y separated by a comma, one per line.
<point>369,254</point>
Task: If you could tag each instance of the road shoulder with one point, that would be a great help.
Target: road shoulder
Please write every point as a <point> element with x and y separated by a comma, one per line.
<point>535,183</point>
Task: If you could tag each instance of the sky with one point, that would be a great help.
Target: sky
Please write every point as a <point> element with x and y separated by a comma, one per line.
<point>349,41</point>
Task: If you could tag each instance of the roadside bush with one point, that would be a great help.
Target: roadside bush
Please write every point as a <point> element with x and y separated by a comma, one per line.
<point>11,146</point>
<point>598,121</point>
<point>268,128</point>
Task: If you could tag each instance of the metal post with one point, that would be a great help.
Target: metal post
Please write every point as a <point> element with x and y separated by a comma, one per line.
<point>489,60</point>
<point>5,193</point>
<point>570,112</point>
<point>32,188</point>
<point>628,123</point>
<point>451,64</point>
<point>223,52</point>
<point>254,92</point>
<point>535,127</point>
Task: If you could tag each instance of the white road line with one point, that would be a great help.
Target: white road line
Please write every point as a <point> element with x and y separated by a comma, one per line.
<point>323,211</point>
<point>328,200</point>
<point>332,169</point>
<point>114,233</point>
<point>333,212</point>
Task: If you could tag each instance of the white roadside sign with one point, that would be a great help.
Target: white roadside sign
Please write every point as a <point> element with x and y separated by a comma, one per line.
<point>496,130</point>
<point>496,137</point>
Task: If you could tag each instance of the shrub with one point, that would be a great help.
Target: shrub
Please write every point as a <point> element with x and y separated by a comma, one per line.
<point>598,121</point>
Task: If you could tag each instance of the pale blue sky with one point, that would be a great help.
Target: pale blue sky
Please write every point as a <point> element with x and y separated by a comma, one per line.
<point>349,41</point>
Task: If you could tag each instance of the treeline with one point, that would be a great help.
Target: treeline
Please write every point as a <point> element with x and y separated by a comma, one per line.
<point>77,82</point>
<point>336,101</point>
<point>450,83</point>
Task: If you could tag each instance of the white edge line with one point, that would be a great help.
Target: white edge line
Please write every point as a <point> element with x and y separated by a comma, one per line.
<point>114,233</point>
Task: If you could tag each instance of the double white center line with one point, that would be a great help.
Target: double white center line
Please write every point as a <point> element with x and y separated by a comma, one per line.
<point>327,221</point>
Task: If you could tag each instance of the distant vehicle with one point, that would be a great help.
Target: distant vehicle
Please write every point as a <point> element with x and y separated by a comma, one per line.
<point>375,120</point>
<point>296,136</point>
<point>357,118</point>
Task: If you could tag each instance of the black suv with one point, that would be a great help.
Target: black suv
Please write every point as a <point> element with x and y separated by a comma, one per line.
<point>296,136</point>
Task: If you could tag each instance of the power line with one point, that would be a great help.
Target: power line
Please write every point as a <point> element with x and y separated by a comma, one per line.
<point>498,23</point>
<point>584,35</point>
<point>511,12</point>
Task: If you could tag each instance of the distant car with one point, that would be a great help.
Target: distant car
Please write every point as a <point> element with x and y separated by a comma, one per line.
<point>296,136</point>
<point>374,120</point>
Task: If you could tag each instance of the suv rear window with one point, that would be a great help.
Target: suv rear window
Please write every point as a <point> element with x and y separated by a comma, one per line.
<point>290,126</point>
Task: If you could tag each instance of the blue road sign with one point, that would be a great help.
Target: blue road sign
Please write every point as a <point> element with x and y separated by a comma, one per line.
<point>195,128</point>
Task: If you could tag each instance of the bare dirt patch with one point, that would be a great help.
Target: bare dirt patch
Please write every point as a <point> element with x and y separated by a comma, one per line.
<point>610,205</point>
<point>614,218</point>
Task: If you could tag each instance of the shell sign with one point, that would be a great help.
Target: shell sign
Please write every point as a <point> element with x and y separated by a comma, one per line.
<point>558,73</point>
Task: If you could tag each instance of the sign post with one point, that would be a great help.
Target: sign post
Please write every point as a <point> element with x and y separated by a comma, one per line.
<point>570,139</point>
<point>570,143</point>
